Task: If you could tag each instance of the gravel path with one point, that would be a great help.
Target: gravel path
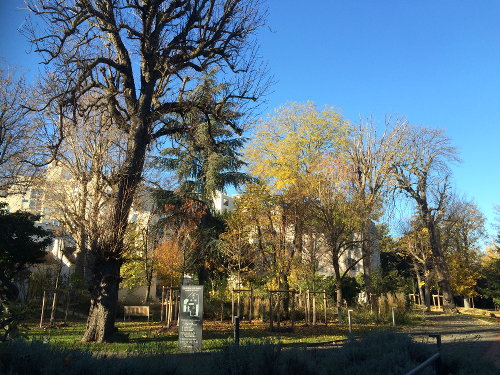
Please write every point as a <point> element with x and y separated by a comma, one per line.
<point>470,335</point>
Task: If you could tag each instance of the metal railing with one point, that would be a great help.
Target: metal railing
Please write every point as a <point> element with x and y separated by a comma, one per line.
<point>435,360</point>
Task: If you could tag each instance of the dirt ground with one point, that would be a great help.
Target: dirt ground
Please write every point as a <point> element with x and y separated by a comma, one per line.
<point>474,336</point>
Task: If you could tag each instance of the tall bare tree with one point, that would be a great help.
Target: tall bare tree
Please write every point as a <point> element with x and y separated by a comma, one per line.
<point>75,188</point>
<point>141,60</point>
<point>372,155</point>
<point>16,129</point>
<point>422,172</point>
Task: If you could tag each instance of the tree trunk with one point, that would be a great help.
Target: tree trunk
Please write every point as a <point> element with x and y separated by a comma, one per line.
<point>338,284</point>
<point>427,277</point>
<point>366,253</point>
<point>202,273</point>
<point>81,252</point>
<point>286,297</point>
<point>149,281</point>
<point>81,235</point>
<point>108,238</point>
<point>442,272</point>
<point>338,279</point>
<point>104,301</point>
<point>419,281</point>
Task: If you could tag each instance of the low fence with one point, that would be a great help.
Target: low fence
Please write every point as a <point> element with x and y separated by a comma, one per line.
<point>435,360</point>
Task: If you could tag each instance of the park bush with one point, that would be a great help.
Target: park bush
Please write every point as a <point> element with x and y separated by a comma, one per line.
<point>19,357</point>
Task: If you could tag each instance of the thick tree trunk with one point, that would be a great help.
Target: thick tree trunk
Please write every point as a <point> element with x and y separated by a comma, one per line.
<point>442,272</point>
<point>107,251</point>
<point>104,301</point>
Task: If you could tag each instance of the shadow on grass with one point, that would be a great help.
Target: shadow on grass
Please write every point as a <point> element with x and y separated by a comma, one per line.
<point>384,352</point>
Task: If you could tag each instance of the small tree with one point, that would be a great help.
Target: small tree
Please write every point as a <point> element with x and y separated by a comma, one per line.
<point>238,254</point>
<point>140,263</point>
<point>490,282</point>
<point>415,244</point>
<point>338,214</point>
<point>22,243</point>
<point>181,237</point>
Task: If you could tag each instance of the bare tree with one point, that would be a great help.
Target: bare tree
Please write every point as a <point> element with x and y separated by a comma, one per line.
<point>16,129</point>
<point>372,156</point>
<point>142,61</point>
<point>422,173</point>
<point>75,187</point>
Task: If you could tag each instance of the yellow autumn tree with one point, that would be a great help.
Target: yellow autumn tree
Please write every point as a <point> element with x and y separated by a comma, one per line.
<point>415,244</point>
<point>290,142</point>
<point>285,149</point>
<point>239,253</point>
<point>461,234</point>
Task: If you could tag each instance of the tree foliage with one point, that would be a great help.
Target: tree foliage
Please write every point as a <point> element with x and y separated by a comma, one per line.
<point>265,220</point>
<point>22,243</point>
<point>238,253</point>
<point>207,159</point>
<point>288,144</point>
<point>490,282</point>
<point>178,252</point>
<point>462,233</point>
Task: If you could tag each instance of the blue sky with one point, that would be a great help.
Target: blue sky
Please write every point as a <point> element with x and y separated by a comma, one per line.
<point>435,62</point>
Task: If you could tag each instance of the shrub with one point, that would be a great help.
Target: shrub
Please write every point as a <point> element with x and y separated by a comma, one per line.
<point>20,357</point>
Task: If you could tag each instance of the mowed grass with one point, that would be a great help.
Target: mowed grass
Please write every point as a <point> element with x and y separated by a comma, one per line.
<point>154,337</point>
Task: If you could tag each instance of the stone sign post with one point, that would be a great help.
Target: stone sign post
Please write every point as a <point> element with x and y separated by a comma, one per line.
<point>191,317</point>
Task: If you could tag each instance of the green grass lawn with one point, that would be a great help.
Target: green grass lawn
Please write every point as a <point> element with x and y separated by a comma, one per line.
<point>154,337</point>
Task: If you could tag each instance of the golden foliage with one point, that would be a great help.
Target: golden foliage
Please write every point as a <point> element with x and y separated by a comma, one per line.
<point>289,143</point>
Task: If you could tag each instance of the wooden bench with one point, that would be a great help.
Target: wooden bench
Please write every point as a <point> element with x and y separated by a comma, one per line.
<point>136,311</point>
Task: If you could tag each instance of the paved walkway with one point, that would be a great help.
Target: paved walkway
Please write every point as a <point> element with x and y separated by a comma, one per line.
<point>466,334</point>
